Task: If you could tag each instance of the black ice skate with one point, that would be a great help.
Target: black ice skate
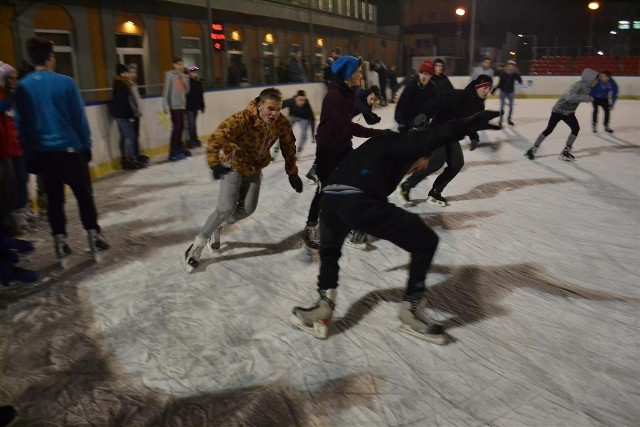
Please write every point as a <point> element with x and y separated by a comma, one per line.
<point>436,199</point>
<point>311,176</point>
<point>316,320</point>
<point>511,122</point>
<point>531,153</point>
<point>566,155</point>
<point>474,144</point>
<point>357,240</point>
<point>214,240</point>
<point>415,321</point>
<point>97,244</point>
<point>607,129</point>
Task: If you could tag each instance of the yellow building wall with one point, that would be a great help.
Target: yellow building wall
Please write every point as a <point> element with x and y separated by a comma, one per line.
<point>165,49</point>
<point>98,55</point>
<point>53,18</point>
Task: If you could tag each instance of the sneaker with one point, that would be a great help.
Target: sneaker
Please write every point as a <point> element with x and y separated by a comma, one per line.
<point>214,241</point>
<point>531,153</point>
<point>607,129</point>
<point>566,155</point>
<point>316,320</point>
<point>436,199</point>
<point>474,144</point>
<point>193,253</point>
<point>141,158</point>
<point>311,176</point>
<point>402,193</point>
<point>357,239</point>
<point>415,321</point>
<point>312,237</point>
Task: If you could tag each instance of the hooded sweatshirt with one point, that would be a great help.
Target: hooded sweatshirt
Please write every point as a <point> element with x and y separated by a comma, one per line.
<point>577,93</point>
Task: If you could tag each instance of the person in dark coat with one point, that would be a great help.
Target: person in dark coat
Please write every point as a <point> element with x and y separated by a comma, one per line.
<point>355,197</point>
<point>333,139</point>
<point>124,109</point>
<point>439,78</point>
<point>195,103</point>
<point>414,96</point>
<point>365,100</point>
<point>447,106</point>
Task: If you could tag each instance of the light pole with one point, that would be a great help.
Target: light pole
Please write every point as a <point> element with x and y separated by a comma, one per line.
<point>593,6</point>
<point>460,12</point>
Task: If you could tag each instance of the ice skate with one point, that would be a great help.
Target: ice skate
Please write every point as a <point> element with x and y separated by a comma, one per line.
<point>193,253</point>
<point>607,129</point>
<point>511,122</point>
<point>531,153</point>
<point>594,128</point>
<point>62,249</point>
<point>474,144</point>
<point>97,244</point>
<point>415,321</point>
<point>566,155</point>
<point>402,193</point>
<point>312,237</point>
<point>357,240</point>
<point>436,199</point>
<point>214,240</point>
<point>316,320</point>
<point>311,176</point>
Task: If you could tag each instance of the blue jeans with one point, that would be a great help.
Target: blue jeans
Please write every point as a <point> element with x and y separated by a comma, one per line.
<point>303,131</point>
<point>127,133</point>
<point>504,96</point>
<point>191,126</point>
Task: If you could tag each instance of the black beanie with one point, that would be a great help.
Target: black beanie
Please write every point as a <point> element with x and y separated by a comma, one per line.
<point>438,61</point>
<point>121,68</point>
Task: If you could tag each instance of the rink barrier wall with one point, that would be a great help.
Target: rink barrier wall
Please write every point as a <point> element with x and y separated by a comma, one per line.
<point>155,125</point>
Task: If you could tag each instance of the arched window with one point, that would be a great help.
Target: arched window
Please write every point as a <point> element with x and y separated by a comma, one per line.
<point>191,37</point>
<point>129,34</point>
<point>54,23</point>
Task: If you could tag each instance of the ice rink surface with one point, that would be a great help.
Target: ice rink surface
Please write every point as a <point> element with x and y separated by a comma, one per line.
<point>536,276</point>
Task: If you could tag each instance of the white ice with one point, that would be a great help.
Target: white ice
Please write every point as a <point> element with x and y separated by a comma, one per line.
<point>538,261</point>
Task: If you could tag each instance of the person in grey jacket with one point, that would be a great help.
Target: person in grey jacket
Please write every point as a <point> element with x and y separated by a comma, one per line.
<point>565,109</point>
<point>174,100</point>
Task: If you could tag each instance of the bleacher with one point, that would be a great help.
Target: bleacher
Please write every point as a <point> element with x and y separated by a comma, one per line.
<point>569,65</point>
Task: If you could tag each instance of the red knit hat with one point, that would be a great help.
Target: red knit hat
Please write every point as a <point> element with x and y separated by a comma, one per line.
<point>426,67</point>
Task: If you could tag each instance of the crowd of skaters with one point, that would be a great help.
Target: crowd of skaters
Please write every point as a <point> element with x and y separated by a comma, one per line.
<point>432,117</point>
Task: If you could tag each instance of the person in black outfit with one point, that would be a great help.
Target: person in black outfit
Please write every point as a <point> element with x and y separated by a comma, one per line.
<point>506,84</point>
<point>381,69</point>
<point>442,82</point>
<point>195,103</point>
<point>355,197</point>
<point>447,106</point>
<point>124,109</point>
<point>392,75</point>
<point>414,96</point>
<point>365,100</point>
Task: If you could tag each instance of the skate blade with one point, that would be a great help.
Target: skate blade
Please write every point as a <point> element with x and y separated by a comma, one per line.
<point>361,246</point>
<point>435,202</point>
<point>318,330</point>
<point>566,159</point>
<point>438,339</point>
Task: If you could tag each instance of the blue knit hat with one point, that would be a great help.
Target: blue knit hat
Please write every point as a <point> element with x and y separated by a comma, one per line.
<point>344,67</point>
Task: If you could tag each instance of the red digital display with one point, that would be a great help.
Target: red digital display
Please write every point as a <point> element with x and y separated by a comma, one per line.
<point>217,36</point>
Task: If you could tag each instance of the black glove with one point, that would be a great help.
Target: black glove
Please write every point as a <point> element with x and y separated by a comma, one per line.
<point>420,120</point>
<point>86,154</point>
<point>296,183</point>
<point>479,121</point>
<point>219,171</point>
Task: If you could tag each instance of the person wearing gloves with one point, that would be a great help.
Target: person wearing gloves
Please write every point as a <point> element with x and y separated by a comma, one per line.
<point>237,152</point>
<point>333,139</point>
<point>565,110</point>
<point>355,197</point>
<point>54,133</point>
<point>414,96</point>
<point>605,94</point>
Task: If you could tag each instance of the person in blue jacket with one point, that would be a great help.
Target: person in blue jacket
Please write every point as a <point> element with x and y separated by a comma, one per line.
<point>55,136</point>
<point>605,94</point>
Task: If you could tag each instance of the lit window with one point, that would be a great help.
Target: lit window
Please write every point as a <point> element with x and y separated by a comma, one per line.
<point>636,25</point>
<point>623,25</point>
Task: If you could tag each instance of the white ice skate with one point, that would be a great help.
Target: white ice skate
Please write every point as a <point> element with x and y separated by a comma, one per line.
<point>316,320</point>
<point>416,322</point>
<point>193,253</point>
<point>62,250</point>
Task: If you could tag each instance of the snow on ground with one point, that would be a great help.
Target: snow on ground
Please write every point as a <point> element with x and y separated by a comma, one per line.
<point>536,275</point>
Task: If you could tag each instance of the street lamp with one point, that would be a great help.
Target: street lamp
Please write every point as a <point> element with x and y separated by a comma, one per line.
<point>460,12</point>
<point>593,6</point>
